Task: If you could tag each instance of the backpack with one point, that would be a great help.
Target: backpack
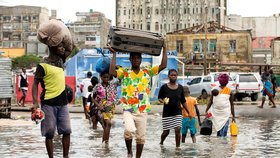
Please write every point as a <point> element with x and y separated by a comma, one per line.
<point>69,93</point>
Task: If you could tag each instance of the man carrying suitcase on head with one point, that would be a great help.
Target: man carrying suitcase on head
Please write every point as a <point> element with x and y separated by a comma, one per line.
<point>135,97</point>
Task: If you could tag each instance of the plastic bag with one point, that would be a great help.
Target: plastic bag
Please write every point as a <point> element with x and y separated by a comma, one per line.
<point>206,127</point>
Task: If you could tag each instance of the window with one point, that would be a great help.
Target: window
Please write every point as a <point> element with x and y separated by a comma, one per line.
<point>212,45</point>
<point>148,26</point>
<point>7,18</point>
<point>207,79</point>
<point>148,11</point>
<point>157,12</point>
<point>35,18</point>
<point>247,78</point>
<point>156,26</point>
<point>124,24</point>
<point>119,12</point>
<point>179,46</point>
<point>124,12</point>
<point>90,38</point>
<point>141,26</point>
<point>196,45</point>
<point>133,11</point>
<point>232,46</point>
<point>133,26</point>
<point>26,18</point>
<point>195,81</point>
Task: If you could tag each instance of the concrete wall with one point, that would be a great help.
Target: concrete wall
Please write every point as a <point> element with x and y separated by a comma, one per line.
<point>12,52</point>
<point>276,50</point>
<point>260,26</point>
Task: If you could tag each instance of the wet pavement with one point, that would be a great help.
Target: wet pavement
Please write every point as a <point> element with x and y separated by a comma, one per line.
<point>20,138</point>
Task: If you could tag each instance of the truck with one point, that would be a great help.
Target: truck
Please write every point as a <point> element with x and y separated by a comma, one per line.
<point>247,85</point>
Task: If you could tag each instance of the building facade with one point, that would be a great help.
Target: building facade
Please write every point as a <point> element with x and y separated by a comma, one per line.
<point>18,28</point>
<point>220,45</point>
<point>164,16</point>
<point>263,29</point>
<point>259,26</point>
<point>90,30</point>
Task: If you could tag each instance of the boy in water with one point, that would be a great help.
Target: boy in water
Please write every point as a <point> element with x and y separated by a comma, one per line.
<point>189,121</point>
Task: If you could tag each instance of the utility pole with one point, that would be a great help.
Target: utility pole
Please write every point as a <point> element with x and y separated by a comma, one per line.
<point>205,41</point>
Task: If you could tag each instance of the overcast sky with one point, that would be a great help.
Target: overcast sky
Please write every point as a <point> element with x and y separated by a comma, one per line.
<point>66,9</point>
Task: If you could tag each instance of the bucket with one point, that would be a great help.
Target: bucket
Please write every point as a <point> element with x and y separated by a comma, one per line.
<point>233,129</point>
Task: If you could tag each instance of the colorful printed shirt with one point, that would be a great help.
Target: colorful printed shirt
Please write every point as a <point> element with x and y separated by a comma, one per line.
<point>136,89</point>
<point>107,96</point>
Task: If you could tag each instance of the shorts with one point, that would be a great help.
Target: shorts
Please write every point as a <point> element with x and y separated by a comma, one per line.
<point>188,124</point>
<point>56,117</point>
<point>24,92</point>
<point>135,124</point>
<point>223,131</point>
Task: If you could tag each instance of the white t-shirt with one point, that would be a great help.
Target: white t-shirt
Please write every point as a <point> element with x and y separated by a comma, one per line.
<point>86,82</point>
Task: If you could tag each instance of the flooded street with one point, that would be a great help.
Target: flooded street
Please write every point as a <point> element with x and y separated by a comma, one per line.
<point>20,138</point>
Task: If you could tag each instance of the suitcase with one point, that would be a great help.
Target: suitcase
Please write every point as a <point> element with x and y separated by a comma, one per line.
<point>129,40</point>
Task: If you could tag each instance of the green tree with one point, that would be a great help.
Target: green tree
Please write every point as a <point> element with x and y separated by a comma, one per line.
<point>25,61</point>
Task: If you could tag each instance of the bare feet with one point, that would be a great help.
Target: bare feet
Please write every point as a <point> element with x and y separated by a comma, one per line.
<point>129,156</point>
<point>19,104</point>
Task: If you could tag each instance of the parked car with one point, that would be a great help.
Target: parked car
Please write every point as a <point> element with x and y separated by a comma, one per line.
<point>204,84</point>
<point>247,85</point>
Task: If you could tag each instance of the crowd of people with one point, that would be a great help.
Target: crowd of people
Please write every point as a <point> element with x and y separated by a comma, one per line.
<point>100,100</point>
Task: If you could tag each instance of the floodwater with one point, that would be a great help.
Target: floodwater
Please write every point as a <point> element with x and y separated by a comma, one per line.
<point>20,138</point>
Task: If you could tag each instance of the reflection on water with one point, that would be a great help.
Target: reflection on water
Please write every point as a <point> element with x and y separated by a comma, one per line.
<point>257,138</point>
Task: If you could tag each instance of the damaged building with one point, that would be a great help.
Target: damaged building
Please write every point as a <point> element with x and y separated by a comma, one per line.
<point>212,44</point>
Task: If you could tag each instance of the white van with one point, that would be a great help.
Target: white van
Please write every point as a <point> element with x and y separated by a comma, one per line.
<point>247,85</point>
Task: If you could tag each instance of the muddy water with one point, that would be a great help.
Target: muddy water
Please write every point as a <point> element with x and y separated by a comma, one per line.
<point>20,138</point>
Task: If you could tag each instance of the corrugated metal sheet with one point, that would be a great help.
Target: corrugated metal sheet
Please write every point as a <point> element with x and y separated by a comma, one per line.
<point>6,79</point>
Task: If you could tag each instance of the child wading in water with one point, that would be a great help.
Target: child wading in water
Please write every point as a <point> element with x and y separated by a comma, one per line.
<point>189,121</point>
<point>106,99</point>
<point>94,112</point>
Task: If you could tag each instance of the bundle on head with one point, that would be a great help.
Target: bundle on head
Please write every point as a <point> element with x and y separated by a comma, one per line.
<point>223,79</point>
<point>55,32</point>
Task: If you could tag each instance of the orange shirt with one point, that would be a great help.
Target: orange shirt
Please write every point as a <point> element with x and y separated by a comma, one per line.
<point>191,102</point>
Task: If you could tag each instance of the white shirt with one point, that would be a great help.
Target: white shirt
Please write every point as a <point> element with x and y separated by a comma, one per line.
<point>19,78</point>
<point>86,82</point>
